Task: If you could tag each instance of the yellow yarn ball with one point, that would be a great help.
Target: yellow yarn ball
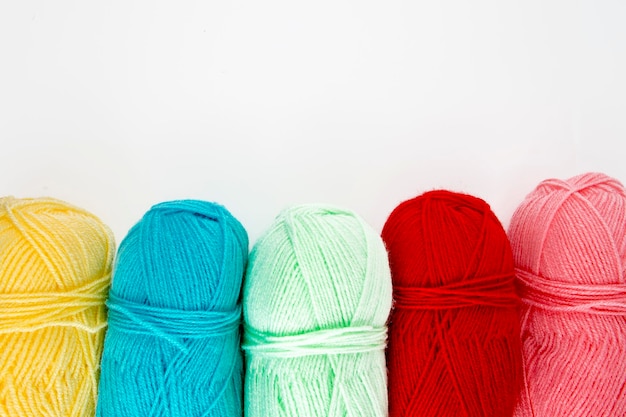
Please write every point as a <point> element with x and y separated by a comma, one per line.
<point>55,270</point>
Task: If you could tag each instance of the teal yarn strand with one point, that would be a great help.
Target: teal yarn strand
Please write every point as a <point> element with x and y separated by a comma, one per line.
<point>172,347</point>
<point>316,299</point>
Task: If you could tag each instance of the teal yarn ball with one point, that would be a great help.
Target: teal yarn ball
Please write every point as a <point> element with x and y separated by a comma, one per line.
<point>172,347</point>
<point>316,298</point>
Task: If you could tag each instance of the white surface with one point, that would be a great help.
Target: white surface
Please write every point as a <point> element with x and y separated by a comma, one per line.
<point>117,105</point>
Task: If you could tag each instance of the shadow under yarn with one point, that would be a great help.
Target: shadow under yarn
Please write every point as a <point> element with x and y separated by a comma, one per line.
<point>569,245</point>
<point>454,343</point>
<point>55,269</point>
<point>317,296</point>
<point>172,348</point>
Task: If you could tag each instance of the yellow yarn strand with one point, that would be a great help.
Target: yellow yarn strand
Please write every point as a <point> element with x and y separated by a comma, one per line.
<point>55,269</point>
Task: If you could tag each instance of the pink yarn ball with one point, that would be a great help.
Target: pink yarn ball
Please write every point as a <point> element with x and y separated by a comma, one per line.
<point>569,246</point>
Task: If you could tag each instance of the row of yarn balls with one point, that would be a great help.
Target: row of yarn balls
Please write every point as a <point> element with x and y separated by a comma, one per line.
<point>445,314</point>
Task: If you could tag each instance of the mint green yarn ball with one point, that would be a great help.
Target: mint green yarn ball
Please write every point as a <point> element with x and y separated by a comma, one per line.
<point>316,299</point>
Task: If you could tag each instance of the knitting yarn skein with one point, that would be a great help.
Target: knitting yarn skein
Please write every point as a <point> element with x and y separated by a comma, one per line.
<point>173,344</point>
<point>317,296</point>
<point>569,245</point>
<point>454,343</point>
<point>55,269</point>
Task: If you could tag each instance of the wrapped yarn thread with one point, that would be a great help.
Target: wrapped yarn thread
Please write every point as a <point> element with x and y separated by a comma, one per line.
<point>454,343</point>
<point>569,245</point>
<point>55,270</point>
<point>173,344</point>
<point>317,296</point>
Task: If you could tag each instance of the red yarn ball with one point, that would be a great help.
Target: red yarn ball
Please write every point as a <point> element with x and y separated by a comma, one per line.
<point>454,340</point>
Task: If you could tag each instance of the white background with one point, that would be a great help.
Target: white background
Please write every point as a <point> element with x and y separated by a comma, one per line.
<point>117,105</point>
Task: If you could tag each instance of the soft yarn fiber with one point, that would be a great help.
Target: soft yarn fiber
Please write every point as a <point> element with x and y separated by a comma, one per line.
<point>317,296</point>
<point>173,344</point>
<point>454,343</point>
<point>569,245</point>
<point>55,269</point>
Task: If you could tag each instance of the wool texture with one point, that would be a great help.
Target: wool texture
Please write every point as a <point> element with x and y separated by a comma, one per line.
<point>173,344</point>
<point>569,245</point>
<point>454,344</point>
<point>55,269</point>
<point>317,296</point>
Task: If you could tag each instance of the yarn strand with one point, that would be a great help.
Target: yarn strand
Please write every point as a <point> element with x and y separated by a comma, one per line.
<point>491,291</point>
<point>345,340</point>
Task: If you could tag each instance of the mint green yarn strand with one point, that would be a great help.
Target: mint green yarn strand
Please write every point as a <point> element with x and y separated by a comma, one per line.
<point>317,295</point>
<point>322,342</point>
